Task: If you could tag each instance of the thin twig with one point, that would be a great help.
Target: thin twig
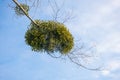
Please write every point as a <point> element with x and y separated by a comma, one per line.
<point>71,59</point>
<point>53,56</point>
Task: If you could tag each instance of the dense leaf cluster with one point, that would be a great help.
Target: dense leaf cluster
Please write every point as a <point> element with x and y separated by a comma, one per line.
<point>18,10</point>
<point>49,36</point>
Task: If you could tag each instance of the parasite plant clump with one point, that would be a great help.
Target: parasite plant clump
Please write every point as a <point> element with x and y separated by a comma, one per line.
<point>18,10</point>
<point>49,36</point>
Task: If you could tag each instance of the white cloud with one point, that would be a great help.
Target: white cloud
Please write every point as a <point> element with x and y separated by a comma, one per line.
<point>116,3</point>
<point>110,44</point>
<point>114,65</point>
<point>105,72</point>
<point>110,7</point>
<point>112,70</point>
<point>99,16</point>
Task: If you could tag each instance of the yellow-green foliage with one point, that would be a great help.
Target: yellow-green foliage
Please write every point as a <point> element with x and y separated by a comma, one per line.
<point>19,12</point>
<point>49,36</point>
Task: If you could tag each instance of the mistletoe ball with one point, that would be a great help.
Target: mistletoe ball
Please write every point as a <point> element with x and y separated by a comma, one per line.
<point>18,10</point>
<point>49,36</point>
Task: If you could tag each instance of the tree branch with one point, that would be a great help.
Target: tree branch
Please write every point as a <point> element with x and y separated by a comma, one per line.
<point>79,64</point>
<point>54,56</point>
<point>27,15</point>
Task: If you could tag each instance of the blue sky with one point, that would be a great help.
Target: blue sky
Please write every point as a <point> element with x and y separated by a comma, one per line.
<point>96,22</point>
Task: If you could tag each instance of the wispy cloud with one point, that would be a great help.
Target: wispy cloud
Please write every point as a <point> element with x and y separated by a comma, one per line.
<point>112,69</point>
<point>99,15</point>
<point>111,43</point>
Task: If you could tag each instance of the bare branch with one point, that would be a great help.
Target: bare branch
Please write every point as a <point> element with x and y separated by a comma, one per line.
<point>69,16</point>
<point>55,15</point>
<point>76,61</point>
<point>54,56</point>
<point>56,9</point>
